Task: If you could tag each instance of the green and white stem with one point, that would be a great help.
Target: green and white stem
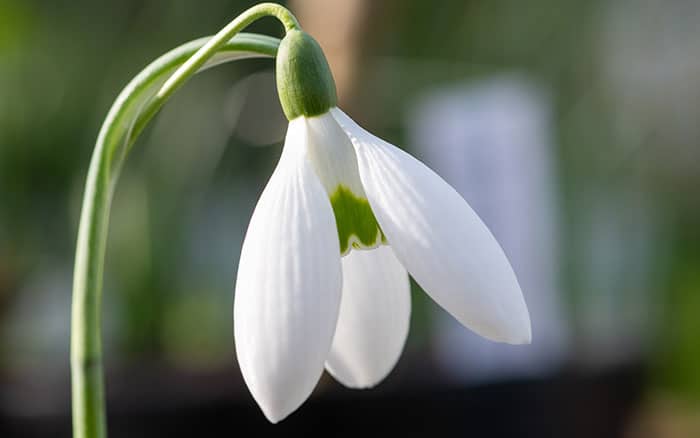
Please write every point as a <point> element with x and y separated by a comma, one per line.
<point>133,109</point>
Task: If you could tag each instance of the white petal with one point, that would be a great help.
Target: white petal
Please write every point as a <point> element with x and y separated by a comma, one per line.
<point>288,287</point>
<point>440,239</point>
<point>374,317</point>
<point>332,155</point>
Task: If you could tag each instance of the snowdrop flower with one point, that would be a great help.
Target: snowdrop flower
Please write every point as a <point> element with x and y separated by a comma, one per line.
<point>344,219</point>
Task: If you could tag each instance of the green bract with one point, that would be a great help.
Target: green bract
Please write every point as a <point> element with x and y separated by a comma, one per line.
<point>304,80</point>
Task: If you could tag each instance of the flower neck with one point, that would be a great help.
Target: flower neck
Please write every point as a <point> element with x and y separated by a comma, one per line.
<point>304,80</point>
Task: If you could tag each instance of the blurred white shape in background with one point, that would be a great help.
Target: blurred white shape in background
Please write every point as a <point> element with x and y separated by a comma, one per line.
<point>491,140</point>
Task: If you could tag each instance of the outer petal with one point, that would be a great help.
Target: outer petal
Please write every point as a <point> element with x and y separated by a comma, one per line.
<point>440,239</point>
<point>374,317</point>
<point>288,287</point>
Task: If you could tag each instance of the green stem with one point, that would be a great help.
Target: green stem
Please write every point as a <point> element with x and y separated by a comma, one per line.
<point>133,109</point>
<point>196,61</point>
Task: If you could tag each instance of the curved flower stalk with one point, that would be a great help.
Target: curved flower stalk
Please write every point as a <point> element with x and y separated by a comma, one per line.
<point>133,109</point>
<point>323,276</point>
<point>119,132</point>
<point>345,217</point>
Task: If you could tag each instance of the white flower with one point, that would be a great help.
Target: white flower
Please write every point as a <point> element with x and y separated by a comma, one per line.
<point>323,279</point>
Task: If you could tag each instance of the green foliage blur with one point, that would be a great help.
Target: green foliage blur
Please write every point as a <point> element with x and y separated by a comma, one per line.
<point>625,130</point>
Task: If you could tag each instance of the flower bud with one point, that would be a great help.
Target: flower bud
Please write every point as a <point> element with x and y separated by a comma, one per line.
<point>304,80</point>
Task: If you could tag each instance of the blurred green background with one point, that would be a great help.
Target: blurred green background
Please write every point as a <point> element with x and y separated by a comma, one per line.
<point>622,78</point>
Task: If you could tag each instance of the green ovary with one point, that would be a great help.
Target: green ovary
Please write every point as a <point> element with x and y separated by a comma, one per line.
<point>355,220</point>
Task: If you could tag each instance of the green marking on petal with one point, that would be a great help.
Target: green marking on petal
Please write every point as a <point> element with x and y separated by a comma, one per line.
<point>357,226</point>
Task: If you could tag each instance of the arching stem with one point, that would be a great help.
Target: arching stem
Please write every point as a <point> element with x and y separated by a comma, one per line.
<point>197,60</point>
<point>134,108</point>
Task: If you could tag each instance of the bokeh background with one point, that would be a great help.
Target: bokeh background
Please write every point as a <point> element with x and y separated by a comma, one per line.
<point>571,127</point>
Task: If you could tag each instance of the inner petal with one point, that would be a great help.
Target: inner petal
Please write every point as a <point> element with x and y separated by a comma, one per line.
<point>333,158</point>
